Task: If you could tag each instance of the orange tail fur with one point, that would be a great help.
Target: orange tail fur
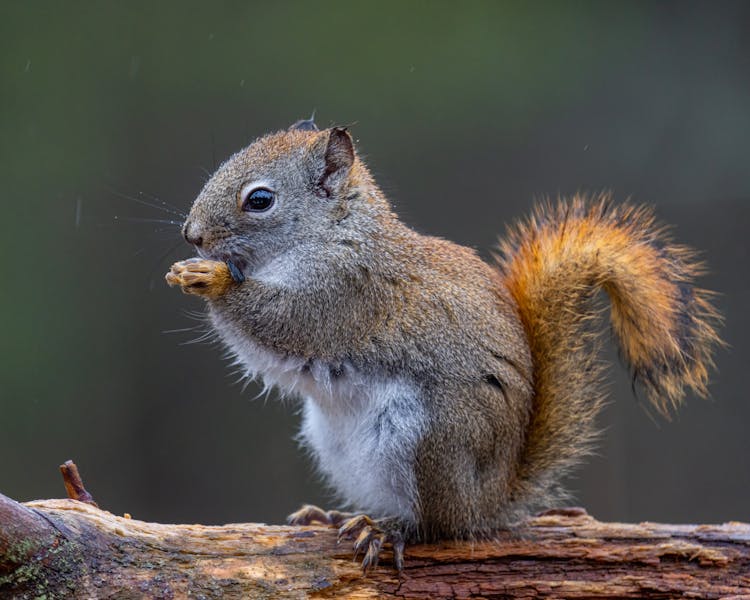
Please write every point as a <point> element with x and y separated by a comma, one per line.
<point>553,265</point>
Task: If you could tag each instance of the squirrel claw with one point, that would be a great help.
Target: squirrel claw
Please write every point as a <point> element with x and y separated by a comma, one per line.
<point>207,278</point>
<point>355,526</point>
<point>310,514</point>
<point>370,537</point>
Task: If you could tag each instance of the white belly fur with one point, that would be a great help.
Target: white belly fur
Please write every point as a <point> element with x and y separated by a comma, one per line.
<point>362,429</point>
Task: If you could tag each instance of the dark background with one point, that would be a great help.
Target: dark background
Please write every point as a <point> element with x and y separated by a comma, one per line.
<point>466,114</point>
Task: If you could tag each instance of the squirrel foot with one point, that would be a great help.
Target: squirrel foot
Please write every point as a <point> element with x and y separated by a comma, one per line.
<point>371,535</point>
<point>207,278</point>
<point>309,514</point>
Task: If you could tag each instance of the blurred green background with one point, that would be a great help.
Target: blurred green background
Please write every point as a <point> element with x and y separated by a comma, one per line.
<point>466,113</point>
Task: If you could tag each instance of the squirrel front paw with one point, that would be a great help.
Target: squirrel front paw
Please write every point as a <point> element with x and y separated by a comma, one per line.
<point>207,278</point>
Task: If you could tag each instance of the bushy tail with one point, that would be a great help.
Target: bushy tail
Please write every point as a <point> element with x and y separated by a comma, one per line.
<point>553,265</point>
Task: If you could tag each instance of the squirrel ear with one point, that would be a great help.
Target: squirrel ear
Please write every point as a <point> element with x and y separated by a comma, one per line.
<point>304,125</point>
<point>338,159</point>
<point>340,150</point>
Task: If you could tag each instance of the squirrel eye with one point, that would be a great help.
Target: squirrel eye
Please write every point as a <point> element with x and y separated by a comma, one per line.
<point>258,200</point>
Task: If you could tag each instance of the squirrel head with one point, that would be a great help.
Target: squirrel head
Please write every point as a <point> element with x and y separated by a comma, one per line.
<point>284,189</point>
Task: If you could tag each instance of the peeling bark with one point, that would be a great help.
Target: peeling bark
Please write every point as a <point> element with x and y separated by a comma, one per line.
<point>71,549</point>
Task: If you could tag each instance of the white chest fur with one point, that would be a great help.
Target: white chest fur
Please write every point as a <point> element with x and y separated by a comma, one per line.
<point>362,429</point>
<point>367,449</point>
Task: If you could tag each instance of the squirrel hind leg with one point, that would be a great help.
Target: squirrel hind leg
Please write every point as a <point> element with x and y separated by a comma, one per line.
<point>370,535</point>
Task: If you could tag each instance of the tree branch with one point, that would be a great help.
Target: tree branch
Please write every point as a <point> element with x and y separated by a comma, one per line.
<point>68,548</point>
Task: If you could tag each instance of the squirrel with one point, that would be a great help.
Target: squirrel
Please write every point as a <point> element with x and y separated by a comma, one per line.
<point>443,396</point>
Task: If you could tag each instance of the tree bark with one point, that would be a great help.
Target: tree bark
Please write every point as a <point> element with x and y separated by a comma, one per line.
<point>71,549</point>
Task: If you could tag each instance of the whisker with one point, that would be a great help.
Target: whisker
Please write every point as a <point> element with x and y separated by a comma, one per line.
<point>158,235</point>
<point>181,330</point>
<point>148,220</point>
<point>209,335</point>
<point>177,213</point>
<point>159,265</point>
<point>171,232</point>
<point>164,203</point>
<point>195,315</point>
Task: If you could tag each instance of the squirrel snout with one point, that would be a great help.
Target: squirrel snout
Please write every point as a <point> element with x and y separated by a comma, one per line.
<point>191,235</point>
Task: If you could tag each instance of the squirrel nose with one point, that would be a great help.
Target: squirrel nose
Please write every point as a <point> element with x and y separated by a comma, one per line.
<point>191,235</point>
